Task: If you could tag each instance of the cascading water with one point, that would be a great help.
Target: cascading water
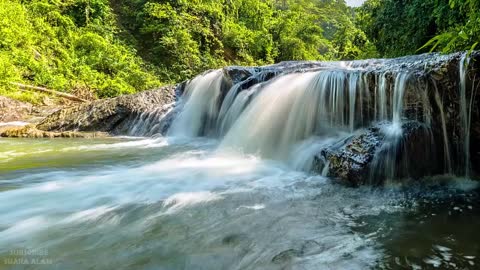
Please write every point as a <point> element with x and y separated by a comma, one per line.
<point>352,87</point>
<point>465,111</point>
<point>381,97</point>
<point>290,117</point>
<point>280,118</point>
<point>397,101</point>
<point>200,105</point>
<point>233,112</point>
<point>446,145</point>
<point>385,162</point>
<point>293,108</point>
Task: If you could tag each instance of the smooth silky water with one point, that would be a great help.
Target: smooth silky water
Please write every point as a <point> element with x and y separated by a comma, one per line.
<point>166,203</point>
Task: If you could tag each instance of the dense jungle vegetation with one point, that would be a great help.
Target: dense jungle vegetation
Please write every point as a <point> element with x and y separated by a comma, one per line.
<point>403,27</point>
<point>108,48</point>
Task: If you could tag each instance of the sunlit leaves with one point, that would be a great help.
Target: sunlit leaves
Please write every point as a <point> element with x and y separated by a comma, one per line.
<point>184,38</point>
<point>64,45</point>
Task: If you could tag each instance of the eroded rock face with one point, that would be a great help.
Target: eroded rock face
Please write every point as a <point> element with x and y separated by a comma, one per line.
<point>114,115</point>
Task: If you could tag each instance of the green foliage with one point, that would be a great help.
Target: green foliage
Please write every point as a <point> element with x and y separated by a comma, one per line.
<point>183,38</point>
<point>112,48</point>
<point>64,45</point>
<point>398,27</point>
<point>403,27</point>
<point>464,35</point>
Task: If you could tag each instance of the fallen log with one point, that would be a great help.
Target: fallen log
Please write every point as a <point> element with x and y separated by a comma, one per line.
<point>45,90</point>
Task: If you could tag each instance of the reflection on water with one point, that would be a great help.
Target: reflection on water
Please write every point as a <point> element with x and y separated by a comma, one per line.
<point>131,203</point>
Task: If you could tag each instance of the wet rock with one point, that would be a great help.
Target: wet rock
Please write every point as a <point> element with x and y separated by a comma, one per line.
<point>378,153</point>
<point>349,159</point>
<point>238,74</point>
<point>30,131</point>
<point>114,115</point>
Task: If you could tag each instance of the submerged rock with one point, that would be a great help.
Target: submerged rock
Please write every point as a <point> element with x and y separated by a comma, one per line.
<point>114,115</point>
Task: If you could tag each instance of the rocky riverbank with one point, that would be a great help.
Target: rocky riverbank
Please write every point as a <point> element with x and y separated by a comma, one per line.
<point>112,115</point>
<point>98,118</point>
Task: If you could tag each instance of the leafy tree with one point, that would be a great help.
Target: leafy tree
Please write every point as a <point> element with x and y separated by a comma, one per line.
<point>66,45</point>
<point>464,35</point>
<point>183,38</point>
<point>403,27</point>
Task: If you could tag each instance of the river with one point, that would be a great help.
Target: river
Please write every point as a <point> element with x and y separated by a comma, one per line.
<point>170,203</point>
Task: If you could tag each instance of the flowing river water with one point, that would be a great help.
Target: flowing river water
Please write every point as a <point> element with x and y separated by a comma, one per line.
<point>168,203</point>
<point>230,184</point>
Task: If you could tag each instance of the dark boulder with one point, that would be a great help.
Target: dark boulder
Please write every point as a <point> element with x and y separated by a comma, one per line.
<point>379,153</point>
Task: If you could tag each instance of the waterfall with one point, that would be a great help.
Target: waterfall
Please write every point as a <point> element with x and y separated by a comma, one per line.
<point>446,144</point>
<point>233,112</point>
<point>352,87</point>
<point>276,118</point>
<point>381,97</point>
<point>398,93</point>
<point>465,111</point>
<point>296,107</point>
<point>294,111</point>
<point>292,108</point>
<point>200,104</point>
